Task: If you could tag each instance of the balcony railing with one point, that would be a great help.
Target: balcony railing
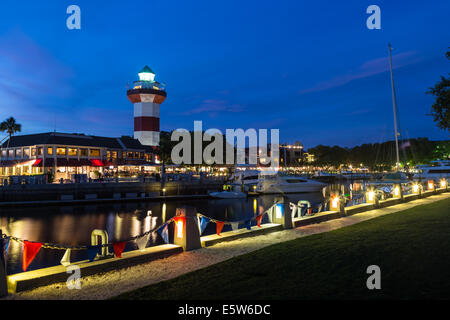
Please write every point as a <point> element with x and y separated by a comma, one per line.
<point>149,85</point>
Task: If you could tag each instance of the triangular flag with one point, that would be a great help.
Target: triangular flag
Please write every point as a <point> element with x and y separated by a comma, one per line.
<point>258,220</point>
<point>118,248</point>
<point>142,241</point>
<point>235,226</point>
<point>203,223</point>
<point>164,232</point>
<point>92,252</point>
<point>248,225</point>
<point>4,245</point>
<point>65,261</point>
<point>219,227</point>
<point>30,249</point>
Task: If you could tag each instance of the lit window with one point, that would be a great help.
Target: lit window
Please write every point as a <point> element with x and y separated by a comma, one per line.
<point>83,152</point>
<point>26,152</point>
<point>61,151</point>
<point>94,152</point>
<point>40,151</point>
<point>114,154</point>
<point>50,150</point>
<point>73,151</point>
<point>33,152</point>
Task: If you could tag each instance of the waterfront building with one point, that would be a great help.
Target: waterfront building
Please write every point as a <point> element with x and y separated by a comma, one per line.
<point>64,155</point>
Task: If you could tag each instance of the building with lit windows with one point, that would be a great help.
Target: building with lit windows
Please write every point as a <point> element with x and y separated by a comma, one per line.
<point>61,156</point>
<point>65,155</point>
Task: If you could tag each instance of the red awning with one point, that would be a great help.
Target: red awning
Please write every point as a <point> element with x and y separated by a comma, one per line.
<point>97,163</point>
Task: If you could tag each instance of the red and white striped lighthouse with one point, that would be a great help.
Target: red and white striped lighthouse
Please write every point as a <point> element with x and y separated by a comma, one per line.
<point>146,96</point>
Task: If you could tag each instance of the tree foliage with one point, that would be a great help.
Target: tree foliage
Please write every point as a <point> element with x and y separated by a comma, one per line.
<point>380,156</point>
<point>440,109</point>
<point>10,126</point>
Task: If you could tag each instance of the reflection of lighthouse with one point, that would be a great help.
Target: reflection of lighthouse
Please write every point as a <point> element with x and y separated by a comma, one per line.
<point>147,95</point>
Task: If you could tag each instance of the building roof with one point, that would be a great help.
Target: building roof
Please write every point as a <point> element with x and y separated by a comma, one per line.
<point>75,139</point>
<point>146,69</point>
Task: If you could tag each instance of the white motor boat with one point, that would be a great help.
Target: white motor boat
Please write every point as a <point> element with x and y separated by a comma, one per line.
<point>246,178</point>
<point>280,183</point>
<point>228,195</point>
<point>437,170</point>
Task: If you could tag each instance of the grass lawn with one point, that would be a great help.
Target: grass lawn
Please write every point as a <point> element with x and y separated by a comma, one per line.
<point>411,247</point>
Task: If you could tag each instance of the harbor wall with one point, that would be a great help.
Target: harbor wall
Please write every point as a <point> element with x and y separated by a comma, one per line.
<point>93,191</point>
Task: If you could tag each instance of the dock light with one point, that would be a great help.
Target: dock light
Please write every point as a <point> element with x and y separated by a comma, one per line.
<point>371,195</point>
<point>335,202</point>
<point>279,211</point>
<point>430,184</point>
<point>415,188</point>
<point>396,191</point>
<point>179,226</point>
<point>443,183</point>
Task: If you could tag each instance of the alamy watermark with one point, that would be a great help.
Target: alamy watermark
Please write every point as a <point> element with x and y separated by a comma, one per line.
<point>258,149</point>
<point>374,281</point>
<point>74,20</point>
<point>74,280</point>
<point>374,20</point>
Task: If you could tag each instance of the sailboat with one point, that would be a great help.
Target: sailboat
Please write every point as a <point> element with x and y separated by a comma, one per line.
<point>397,176</point>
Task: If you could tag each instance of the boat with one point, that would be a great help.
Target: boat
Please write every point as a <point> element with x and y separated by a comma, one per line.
<point>324,176</point>
<point>248,179</point>
<point>437,170</point>
<point>275,183</point>
<point>228,195</point>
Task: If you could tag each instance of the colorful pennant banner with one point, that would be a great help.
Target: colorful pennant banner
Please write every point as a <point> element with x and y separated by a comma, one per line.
<point>258,220</point>
<point>142,242</point>
<point>4,246</point>
<point>219,227</point>
<point>92,252</point>
<point>118,248</point>
<point>203,223</point>
<point>30,249</point>
<point>164,232</point>
<point>65,261</point>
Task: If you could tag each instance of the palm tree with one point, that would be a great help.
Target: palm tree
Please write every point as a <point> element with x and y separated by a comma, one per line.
<point>10,126</point>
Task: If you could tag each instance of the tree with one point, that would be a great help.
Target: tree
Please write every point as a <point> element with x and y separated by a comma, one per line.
<point>440,109</point>
<point>10,126</point>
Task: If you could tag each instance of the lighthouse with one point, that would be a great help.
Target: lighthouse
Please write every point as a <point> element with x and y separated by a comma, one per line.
<point>146,96</point>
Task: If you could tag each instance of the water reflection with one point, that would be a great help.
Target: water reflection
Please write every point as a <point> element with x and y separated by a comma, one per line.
<point>72,225</point>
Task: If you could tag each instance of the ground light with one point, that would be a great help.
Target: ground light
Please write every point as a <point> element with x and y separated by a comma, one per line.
<point>335,202</point>
<point>396,191</point>
<point>430,185</point>
<point>443,183</point>
<point>415,188</point>
<point>371,195</point>
<point>279,211</point>
<point>179,227</point>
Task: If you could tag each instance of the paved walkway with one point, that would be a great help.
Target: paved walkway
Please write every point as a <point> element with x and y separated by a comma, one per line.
<point>113,283</point>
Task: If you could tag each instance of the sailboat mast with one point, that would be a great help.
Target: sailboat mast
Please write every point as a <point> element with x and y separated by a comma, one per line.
<point>394,105</point>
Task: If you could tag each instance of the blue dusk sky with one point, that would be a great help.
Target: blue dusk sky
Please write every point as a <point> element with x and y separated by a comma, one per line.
<point>309,68</point>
